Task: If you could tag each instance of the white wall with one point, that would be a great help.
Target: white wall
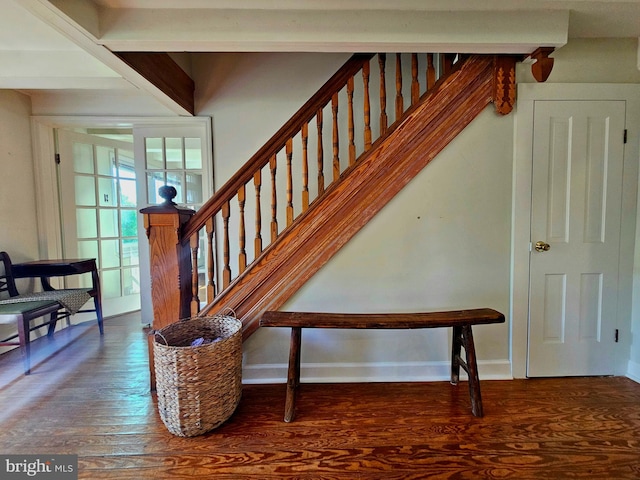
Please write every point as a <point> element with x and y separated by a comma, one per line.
<point>18,235</point>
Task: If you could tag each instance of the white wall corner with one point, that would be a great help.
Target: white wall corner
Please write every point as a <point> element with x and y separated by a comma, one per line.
<point>633,371</point>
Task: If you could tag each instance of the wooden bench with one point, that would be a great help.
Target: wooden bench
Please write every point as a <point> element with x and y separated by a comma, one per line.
<point>460,320</point>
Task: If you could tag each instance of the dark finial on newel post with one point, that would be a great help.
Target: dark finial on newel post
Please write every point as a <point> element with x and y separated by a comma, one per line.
<point>168,193</point>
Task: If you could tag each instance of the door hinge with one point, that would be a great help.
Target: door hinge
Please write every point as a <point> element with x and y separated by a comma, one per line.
<point>617,335</point>
<point>625,136</point>
<point>57,158</point>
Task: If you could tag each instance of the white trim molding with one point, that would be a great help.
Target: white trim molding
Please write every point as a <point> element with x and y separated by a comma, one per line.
<point>372,372</point>
<point>633,371</point>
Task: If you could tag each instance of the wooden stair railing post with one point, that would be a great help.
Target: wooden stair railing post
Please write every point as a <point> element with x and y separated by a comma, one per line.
<point>170,262</point>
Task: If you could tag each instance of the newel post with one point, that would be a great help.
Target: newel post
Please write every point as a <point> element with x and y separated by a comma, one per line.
<point>170,263</point>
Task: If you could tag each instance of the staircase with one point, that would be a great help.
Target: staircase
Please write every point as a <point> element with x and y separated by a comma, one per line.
<point>308,221</point>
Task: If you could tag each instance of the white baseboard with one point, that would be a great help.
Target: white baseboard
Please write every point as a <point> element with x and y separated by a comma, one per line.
<point>633,371</point>
<point>372,372</point>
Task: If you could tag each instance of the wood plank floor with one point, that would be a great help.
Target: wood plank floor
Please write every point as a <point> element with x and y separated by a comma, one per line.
<point>90,397</point>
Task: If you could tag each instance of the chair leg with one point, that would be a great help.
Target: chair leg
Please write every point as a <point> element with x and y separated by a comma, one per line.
<point>25,344</point>
<point>98,303</point>
<point>52,324</point>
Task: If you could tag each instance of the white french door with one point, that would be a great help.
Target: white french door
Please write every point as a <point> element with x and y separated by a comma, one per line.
<point>97,180</point>
<point>178,156</point>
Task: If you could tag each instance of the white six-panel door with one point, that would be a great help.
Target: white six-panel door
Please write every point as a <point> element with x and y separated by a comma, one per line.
<point>576,204</point>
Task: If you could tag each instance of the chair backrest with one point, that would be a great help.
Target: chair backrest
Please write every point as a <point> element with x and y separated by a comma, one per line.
<point>7,283</point>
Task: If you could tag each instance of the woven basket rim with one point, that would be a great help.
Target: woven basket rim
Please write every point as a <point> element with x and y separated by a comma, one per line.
<point>195,319</point>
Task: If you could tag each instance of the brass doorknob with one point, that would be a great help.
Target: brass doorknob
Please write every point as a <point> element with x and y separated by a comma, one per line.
<point>542,246</point>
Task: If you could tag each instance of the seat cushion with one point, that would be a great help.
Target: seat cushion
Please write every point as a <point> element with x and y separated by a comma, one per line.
<point>11,312</point>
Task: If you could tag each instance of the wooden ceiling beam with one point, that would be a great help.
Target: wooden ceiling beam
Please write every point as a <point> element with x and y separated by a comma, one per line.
<point>164,73</point>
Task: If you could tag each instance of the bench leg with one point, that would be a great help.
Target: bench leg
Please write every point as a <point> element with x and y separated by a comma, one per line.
<point>456,346</point>
<point>472,370</point>
<point>463,337</point>
<point>293,375</point>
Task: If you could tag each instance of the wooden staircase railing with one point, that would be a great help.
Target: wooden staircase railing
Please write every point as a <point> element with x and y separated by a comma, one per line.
<point>320,122</point>
<point>358,166</point>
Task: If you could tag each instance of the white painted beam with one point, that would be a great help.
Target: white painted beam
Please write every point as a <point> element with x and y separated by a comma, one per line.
<point>214,30</point>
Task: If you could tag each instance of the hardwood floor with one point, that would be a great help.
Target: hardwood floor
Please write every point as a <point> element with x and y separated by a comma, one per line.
<point>90,397</point>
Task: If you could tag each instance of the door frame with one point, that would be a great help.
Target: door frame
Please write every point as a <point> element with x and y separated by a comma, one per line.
<point>528,94</point>
<point>46,181</point>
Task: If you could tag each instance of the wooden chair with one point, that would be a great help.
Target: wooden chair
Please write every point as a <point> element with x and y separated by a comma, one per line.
<point>22,313</point>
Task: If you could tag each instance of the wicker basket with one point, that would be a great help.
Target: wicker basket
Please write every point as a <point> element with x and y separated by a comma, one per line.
<point>198,387</point>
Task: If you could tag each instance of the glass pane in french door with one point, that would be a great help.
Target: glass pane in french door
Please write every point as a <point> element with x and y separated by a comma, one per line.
<point>177,162</point>
<point>99,214</point>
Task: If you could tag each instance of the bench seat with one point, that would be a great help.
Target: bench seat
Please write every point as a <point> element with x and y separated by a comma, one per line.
<point>460,320</point>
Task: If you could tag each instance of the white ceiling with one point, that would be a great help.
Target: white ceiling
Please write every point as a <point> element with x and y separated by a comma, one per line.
<point>67,44</point>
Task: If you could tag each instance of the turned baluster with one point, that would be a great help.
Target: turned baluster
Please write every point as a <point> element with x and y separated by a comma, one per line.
<point>336,140</point>
<point>226,272</point>
<point>447,63</point>
<point>320,154</point>
<point>399,100</point>
<point>289,151</point>
<point>273,163</point>
<point>431,72</point>
<point>367,106</point>
<point>382,59</point>
<point>352,145</point>
<point>242,255</point>
<point>415,84</point>
<point>305,167</point>
<point>211,284</point>
<point>257,243</point>
<point>194,243</point>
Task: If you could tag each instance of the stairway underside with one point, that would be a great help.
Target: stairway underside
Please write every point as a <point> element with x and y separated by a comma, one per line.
<point>364,189</point>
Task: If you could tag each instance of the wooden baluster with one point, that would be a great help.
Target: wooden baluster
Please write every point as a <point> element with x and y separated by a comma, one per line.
<point>399,100</point>
<point>415,84</point>
<point>431,72</point>
<point>305,167</point>
<point>274,202</point>
<point>194,243</point>
<point>336,139</point>
<point>447,63</point>
<point>382,60</point>
<point>352,145</point>
<point>320,154</point>
<point>289,150</point>
<point>367,105</point>
<point>226,273</point>
<point>211,284</point>
<point>242,240</point>
<point>257,243</point>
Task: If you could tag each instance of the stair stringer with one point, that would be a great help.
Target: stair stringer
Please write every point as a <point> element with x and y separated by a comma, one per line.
<point>362,191</point>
